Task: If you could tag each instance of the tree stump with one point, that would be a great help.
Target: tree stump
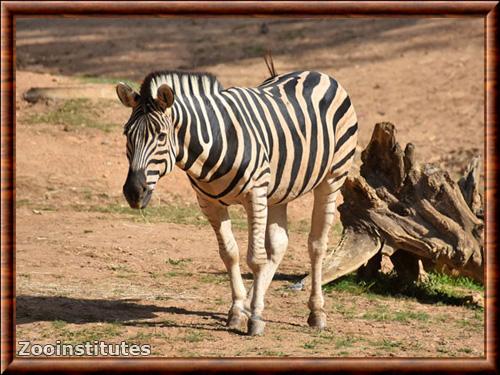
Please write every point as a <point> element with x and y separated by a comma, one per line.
<point>413,212</point>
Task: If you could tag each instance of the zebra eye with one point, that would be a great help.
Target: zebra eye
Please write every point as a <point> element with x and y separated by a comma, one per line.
<point>161,137</point>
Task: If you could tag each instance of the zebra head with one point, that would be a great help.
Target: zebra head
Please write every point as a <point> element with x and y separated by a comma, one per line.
<point>150,142</point>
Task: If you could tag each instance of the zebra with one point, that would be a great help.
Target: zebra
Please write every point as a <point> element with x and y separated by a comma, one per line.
<point>260,147</point>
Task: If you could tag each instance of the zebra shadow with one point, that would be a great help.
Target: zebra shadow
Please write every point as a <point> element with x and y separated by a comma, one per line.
<point>31,309</point>
<point>278,276</point>
<point>130,312</point>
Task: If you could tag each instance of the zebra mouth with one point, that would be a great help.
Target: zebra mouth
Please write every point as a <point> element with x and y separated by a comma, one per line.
<point>146,198</point>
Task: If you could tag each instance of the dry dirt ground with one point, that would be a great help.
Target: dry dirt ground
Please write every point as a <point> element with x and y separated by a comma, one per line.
<point>88,268</point>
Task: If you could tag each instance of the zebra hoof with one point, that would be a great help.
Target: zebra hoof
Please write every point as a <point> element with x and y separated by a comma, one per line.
<point>256,327</point>
<point>317,320</point>
<point>237,319</point>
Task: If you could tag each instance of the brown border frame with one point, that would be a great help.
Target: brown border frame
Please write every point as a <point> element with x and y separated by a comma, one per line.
<point>11,9</point>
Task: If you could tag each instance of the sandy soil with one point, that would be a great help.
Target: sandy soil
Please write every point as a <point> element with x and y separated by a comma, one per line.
<point>87,269</point>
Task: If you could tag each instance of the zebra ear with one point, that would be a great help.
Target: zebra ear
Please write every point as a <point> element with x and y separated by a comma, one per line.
<point>165,96</point>
<point>127,95</point>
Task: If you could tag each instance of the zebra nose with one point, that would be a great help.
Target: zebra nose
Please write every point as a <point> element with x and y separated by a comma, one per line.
<point>135,187</point>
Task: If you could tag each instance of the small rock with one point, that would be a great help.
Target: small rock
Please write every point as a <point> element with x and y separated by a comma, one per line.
<point>297,286</point>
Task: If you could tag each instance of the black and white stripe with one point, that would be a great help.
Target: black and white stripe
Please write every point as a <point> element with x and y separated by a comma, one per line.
<point>288,134</point>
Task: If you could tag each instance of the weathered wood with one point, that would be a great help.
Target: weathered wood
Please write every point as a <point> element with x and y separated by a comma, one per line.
<point>408,267</point>
<point>353,251</point>
<point>417,210</point>
<point>370,269</point>
<point>469,186</point>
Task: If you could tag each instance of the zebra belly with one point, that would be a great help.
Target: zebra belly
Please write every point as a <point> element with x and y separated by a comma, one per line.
<point>290,188</point>
<point>280,196</point>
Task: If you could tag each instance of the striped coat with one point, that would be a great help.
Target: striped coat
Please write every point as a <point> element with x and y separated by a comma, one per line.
<point>289,133</point>
<point>260,147</point>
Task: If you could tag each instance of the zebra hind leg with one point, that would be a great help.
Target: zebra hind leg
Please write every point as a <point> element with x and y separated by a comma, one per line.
<point>256,207</point>
<point>276,245</point>
<point>218,217</point>
<point>322,218</point>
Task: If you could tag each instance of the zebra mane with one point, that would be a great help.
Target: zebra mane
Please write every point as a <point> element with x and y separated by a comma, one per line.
<point>183,83</point>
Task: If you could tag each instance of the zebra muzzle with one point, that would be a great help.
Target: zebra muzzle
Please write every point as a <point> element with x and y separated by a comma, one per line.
<point>136,189</point>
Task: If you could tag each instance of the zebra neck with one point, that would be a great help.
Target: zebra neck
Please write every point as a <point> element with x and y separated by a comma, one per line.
<point>197,133</point>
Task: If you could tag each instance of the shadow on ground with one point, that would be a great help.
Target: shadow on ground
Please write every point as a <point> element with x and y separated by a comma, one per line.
<point>99,46</point>
<point>31,309</point>
<point>78,310</point>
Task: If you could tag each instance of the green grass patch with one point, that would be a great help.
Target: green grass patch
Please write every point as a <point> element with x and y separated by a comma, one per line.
<point>170,213</point>
<point>310,344</point>
<point>119,268</point>
<point>59,324</point>
<point>178,262</point>
<point>378,315</point>
<point>73,114</point>
<point>177,274</point>
<point>196,336</point>
<point>345,342</point>
<point>142,337</point>
<point>383,314</point>
<point>386,344</point>
<point>347,284</point>
<point>271,353</point>
<point>347,312</point>
<point>406,316</point>
<point>438,289</point>
<point>146,337</point>
<point>219,301</point>
<point>178,213</point>
<point>327,339</point>
<point>210,278</point>
<point>71,335</point>
<point>35,206</point>
<point>475,323</point>
<point>23,203</point>
<point>87,193</point>
<point>451,284</point>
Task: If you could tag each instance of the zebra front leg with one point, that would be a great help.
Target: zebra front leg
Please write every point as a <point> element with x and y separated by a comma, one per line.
<point>256,208</point>
<point>322,218</point>
<point>218,217</point>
